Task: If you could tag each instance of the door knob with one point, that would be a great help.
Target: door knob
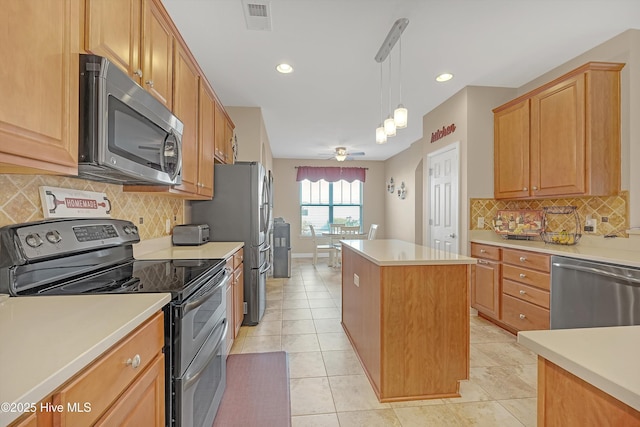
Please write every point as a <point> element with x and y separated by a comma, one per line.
<point>452,235</point>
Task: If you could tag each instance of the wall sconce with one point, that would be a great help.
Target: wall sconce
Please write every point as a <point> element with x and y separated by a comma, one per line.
<point>402,191</point>
<point>391,186</point>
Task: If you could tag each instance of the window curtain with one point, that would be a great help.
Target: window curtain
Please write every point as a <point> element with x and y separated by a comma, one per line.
<point>330,173</point>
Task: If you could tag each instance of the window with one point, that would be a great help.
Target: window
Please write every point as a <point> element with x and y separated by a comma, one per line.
<point>323,203</point>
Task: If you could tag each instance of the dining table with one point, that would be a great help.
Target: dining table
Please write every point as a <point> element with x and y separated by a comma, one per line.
<point>334,240</point>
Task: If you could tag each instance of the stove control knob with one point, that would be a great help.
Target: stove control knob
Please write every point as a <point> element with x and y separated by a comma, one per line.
<point>53,236</point>
<point>134,230</point>
<point>127,229</point>
<point>34,240</point>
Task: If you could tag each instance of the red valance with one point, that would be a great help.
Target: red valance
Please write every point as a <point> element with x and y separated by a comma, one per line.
<point>330,173</point>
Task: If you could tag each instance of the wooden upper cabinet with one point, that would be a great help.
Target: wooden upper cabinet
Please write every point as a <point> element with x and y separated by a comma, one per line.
<point>228,136</point>
<point>224,136</point>
<point>39,87</point>
<point>562,139</point>
<point>157,53</point>
<point>136,35</point>
<point>207,141</point>
<point>186,106</point>
<point>511,151</point>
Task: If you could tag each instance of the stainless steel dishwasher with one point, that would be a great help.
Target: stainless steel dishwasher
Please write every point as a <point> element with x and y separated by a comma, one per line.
<point>587,294</point>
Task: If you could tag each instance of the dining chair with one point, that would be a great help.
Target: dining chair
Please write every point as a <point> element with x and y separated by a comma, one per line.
<point>321,247</point>
<point>372,231</point>
<point>335,228</point>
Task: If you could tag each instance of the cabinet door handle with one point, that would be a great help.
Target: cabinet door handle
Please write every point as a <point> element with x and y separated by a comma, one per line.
<point>138,72</point>
<point>522,316</point>
<point>135,362</point>
<point>522,292</point>
<point>150,83</point>
<point>483,262</point>
<point>523,259</point>
<point>522,275</point>
<point>525,189</point>
<point>535,188</point>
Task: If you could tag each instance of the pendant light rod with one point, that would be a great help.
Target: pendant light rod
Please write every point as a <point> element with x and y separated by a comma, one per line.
<point>391,39</point>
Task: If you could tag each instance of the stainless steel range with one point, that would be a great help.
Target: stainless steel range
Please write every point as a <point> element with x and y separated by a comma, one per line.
<point>95,256</point>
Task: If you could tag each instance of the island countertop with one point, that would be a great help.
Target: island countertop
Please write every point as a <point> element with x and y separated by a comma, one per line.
<point>606,357</point>
<point>46,340</point>
<point>391,252</point>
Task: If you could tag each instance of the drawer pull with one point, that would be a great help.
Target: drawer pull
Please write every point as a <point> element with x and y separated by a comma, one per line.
<point>522,316</point>
<point>483,262</point>
<point>135,362</point>
<point>522,292</point>
<point>482,251</point>
<point>523,259</point>
<point>522,275</point>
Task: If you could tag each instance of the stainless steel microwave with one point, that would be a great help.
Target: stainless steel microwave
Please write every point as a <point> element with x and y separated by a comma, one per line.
<point>126,136</point>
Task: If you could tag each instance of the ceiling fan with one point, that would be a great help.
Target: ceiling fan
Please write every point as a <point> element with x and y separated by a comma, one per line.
<point>341,154</point>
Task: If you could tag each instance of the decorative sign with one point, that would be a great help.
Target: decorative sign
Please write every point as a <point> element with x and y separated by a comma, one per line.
<point>67,203</point>
<point>440,133</point>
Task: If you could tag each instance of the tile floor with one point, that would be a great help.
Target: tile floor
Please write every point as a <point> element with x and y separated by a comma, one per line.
<point>328,385</point>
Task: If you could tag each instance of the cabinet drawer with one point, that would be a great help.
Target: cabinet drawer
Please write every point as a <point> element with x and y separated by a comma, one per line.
<point>238,257</point>
<point>522,315</point>
<point>485,251</point>
<point>229,264</point>
<point>101,383</point>
<point>527,259</point>
<point>526,276</point>
<point>526,293</point>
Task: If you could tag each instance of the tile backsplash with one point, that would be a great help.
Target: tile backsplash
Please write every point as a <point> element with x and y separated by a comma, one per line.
<point>614,208</point>
<point>20,202</point>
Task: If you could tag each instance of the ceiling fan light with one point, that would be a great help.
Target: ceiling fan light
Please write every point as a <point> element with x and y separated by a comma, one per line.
<point>341,157</point>
<point>400,116</point>
<point>390,126</point>
<point>381,137</point>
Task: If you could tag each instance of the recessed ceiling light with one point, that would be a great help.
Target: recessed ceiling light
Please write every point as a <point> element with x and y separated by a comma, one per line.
<point>284,68</point>
<point>444,77</point>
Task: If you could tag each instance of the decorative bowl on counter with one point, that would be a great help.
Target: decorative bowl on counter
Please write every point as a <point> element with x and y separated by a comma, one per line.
<point>563,218</point>
<point>518,224</point>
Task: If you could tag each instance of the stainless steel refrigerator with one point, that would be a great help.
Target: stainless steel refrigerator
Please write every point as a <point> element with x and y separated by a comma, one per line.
<point>241,212</point>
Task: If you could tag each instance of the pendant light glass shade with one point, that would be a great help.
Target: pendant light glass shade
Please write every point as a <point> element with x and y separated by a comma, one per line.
<point>381,137</point>
<point>341,157</point>
<point>390,127</point>
<point>400,116</point>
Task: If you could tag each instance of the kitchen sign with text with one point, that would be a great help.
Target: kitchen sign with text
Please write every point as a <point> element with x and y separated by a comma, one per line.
<point>70,203</point>
<point>441,133</point>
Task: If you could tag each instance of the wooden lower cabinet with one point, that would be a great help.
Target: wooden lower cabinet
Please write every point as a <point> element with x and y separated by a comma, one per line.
<point>582,404</point>
<point>410,332</point>
<point>485,280</point>
<point>124,387</point>
<point>238,291</point>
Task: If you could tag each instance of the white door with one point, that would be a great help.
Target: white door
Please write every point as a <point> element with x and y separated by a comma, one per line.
<point>443,198</point>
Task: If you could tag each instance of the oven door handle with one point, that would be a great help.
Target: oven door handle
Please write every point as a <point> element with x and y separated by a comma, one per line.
<point>190,379</point>
<point>198,302</point>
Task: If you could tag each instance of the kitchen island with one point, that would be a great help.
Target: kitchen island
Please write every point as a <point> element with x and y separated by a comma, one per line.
<point>594,370</point>
<point>405,309</point>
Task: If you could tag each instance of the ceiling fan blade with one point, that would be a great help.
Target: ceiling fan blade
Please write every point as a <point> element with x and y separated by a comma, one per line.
<point>357,153</point>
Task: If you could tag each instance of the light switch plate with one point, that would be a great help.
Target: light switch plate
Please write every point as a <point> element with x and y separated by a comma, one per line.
<point>356,279</point>
<point>481,222</point>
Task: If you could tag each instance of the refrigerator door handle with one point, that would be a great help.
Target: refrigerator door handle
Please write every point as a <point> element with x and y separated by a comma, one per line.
<point>266,248</point>
<point>265,268</point>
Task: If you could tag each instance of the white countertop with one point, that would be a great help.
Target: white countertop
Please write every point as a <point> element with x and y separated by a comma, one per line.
<point>607,358</point>
<point>211,250</point>
<point>616,251</point>
<point>46,340</point>
<point>388,252</point>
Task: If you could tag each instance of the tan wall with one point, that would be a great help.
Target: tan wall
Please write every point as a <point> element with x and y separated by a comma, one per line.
<point>286,199</point>
<point>253,141</point>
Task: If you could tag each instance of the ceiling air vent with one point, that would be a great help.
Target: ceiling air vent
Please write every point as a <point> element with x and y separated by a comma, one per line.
<point>257,15</point>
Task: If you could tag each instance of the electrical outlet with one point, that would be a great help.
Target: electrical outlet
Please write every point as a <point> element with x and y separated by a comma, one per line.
<point>481,222</point>
<point>140,220</point>
<point>168,226</point>
<point>590,225</point>
<point>605,219</point>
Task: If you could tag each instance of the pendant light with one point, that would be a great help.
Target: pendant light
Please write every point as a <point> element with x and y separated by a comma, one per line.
<point>389,123</point>
<point>400,114</point>
<point>398,119</point>
<point>381,136</point>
